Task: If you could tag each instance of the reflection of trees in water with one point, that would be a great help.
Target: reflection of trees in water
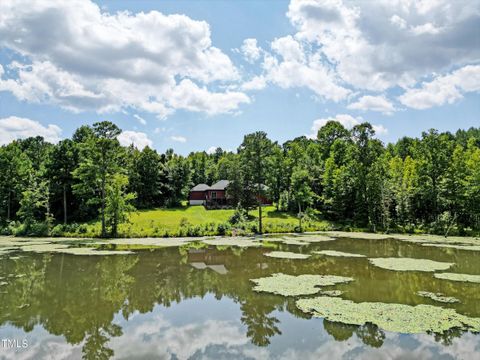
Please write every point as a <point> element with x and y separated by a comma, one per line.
<point>78,296</point>
<point>368,333</point>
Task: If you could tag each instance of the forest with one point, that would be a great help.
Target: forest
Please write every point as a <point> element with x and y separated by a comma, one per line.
<point>428,184</point>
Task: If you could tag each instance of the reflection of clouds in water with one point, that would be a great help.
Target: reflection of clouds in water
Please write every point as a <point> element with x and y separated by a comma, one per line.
<point>41,345</point>
<point>154,335</point>
<point>396,346</point>
<point>157,337</point>
<point>210,329</point>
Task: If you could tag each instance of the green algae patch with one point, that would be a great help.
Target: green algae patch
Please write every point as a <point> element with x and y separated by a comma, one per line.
<point>290,285</point>
<point>398,318</point>
<point>409,264</point>
<point>414,238</point>
<point>331,292</point>
<point>458,277</point>
<point>286,255</point>
<point>149,242</point>
<point>234,241</point>
<point>458,247</point>
<point>65,249</point>
<point>438,297</point>
<point>313,238</point>
<point>337,253</point>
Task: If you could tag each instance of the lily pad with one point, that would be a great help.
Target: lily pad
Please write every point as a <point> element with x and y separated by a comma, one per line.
<point>390,317</point>
<point>286,255</point>
<point>409,264</point>
<point>438,297</point>
<point>290,285</point>
<point>458,277</point>
<point>337,253</point>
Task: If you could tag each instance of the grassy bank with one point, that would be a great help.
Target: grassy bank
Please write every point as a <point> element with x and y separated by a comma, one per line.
<point>196,221</point>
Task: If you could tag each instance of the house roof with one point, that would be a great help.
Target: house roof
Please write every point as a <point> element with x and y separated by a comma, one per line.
<point>200,187</point>
<point>219,185</point>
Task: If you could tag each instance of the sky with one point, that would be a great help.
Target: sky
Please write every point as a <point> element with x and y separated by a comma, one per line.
<point>195,75</point>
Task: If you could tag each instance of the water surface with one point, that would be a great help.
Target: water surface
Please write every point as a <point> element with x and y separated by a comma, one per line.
<point>187,302</point>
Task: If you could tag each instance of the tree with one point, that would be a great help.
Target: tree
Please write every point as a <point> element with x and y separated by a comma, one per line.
<point>301,192</point>
<point>34,203</point>
<point>118,202</point>
<point>15,167</point>
<point>99,161</point>
<point>254,152</point>
<point>62,161</point>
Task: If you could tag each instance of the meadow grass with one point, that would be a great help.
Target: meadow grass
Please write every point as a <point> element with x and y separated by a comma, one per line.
<point>197,221</point>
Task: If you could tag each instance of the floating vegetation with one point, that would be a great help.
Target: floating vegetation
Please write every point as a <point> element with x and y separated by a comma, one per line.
<point>415,238</point>
<point>233,241</point>
<point>65,249</point>
<point>313,238</point>
<point>336,253</point>
<point>390,317</point>
<point>459,247</point>
<point>286,255</point>
<point>290,285</point>
<point>149,242</point>
<point>409,264</point>
<point>438,297</point>
<point>331,292</point>
<point>458,277</point>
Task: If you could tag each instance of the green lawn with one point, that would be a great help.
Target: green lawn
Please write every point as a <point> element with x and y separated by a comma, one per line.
<point>196,220</point>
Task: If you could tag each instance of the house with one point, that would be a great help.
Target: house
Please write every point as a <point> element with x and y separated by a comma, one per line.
<point>216,195</point>
<point>197,194</point>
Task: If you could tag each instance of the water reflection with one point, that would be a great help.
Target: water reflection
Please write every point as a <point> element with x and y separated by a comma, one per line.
<point>198,302</point>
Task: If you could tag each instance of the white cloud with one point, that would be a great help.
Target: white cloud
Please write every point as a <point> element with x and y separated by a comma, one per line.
<point>140,119</point>
<point>377,45</point>
<point>443,89</point>
<point>180,139</point>
<point>94,60</point>
<point>187,95</point>
<point>250,50</point>
<point>139,139</point>
<point>398,21</point>
<point>256,83</point>
<point>347,121</point>
<point>299,69</point>
<point>14,127</point>
<point>211,150</point>
<point>373,103</point>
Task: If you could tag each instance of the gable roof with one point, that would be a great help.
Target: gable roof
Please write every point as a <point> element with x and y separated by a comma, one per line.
<point>200,187</point>
<point>219,185</point>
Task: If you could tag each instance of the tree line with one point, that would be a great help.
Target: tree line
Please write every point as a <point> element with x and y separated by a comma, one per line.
<point>431,183</point>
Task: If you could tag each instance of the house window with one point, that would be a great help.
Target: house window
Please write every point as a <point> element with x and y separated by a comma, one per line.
<point>214,195</point>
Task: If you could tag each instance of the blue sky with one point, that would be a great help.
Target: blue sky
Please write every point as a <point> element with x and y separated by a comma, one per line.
<point>193,75</point>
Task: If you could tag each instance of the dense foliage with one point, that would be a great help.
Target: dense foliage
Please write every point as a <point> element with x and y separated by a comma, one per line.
<point>430,183</point>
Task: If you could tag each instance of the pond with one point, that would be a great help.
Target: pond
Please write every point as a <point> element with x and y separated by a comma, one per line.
<point>214,299</point>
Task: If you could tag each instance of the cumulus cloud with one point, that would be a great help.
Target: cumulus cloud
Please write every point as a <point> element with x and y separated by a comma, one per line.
<point>211,150</point>
<point>444,89</point>
<point>373,103</point>
<point>382,44</point>
<point>291,66</point>
<point>14,127</point>
<point>347,121</point>
<point>250,50</point>
<point>94,60</point>
<point>138,139</point>
<point>180,139</point>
